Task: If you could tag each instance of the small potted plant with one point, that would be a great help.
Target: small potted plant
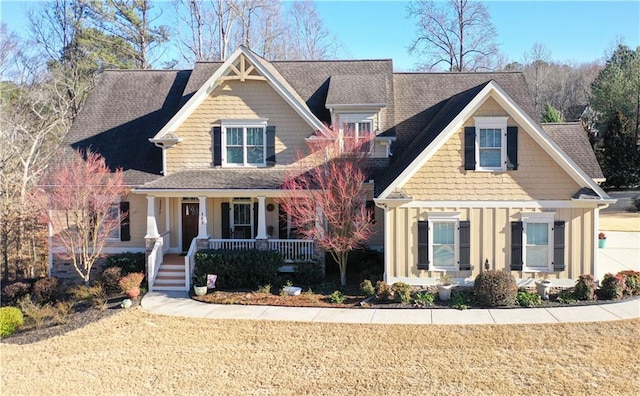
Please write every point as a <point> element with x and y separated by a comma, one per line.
<point>130,284</point>
<point>445,284</point>
<point>543,287</point>
<point>602,240</point>
<point>200,284</point>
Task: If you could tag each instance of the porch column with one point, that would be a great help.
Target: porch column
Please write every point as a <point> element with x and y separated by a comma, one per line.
<point>152,226</point>
<point>167,214</point>
<point>262,219</point>
<point>202,223</point>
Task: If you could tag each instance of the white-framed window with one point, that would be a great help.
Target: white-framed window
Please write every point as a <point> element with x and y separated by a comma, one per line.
<point>244,142</point>
<point>357,131</point>
<point>443,241</point>
<point>242,218</point>
<point>491,143</point>
<point>537,241</point>
<point>113,215</point>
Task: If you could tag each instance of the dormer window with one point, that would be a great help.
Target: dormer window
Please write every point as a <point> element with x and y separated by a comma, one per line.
<point>357,132</point>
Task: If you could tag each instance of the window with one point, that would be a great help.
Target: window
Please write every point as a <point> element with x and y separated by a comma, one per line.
<point>444,243</point>
<point>357,132</point>
<point>538,241</point>
<point>491,145</point>
<point>245,145</point>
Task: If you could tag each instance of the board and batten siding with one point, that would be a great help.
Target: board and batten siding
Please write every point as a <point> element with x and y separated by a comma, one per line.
<point>490,239</point>
<point>538,177</point>
<point>238,100</point>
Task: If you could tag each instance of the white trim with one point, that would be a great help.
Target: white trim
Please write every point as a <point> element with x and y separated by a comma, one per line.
<point>244,127</point>
<point>387,244</point>
<point>444,217</point>
<point>202,218</point>
<point>244,122</point>
<point>281,87</point>
<point>499,204</point>
<point>596,229</point>
<point>364,106</point>
<point>538,218</point>
<point>523,120</point>
<point>152,226</point>
<point>491,123</point>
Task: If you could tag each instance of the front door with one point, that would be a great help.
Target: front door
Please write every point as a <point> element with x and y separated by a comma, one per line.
<point>189,224</point>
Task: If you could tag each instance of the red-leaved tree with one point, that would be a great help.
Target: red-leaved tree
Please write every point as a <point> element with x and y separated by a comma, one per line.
<point>326,195</point>
<point>80,200</point>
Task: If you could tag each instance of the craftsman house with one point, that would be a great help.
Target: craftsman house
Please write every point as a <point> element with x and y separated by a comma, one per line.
<point>462,173</point>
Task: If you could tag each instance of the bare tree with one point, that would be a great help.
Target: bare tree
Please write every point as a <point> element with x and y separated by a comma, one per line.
<point>536,63</point>
<point>327,201</point>
<point>81,207</point>
<point>311,39</point>
<point>458,34</point>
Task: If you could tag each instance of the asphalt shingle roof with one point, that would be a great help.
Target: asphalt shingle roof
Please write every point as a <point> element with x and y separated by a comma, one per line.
<point>572,139</point>
<point>126,108</point>
<point>129,107</point>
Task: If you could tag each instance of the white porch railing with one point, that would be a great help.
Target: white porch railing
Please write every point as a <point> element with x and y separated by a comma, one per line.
<point>292,250</point>
<point>190,263</point>
<point>232,244</point>
<point>154,261</point>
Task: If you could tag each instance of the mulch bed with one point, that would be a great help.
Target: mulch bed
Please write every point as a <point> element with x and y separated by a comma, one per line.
<point>83,316</point>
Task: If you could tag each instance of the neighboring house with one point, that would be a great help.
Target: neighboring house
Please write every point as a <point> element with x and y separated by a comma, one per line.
<point>461,171</point>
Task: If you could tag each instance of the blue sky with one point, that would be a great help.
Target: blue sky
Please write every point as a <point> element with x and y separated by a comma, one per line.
<point>574,31</point>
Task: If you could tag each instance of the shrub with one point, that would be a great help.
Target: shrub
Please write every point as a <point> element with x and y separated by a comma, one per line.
<point>632,280</point>
<point>461,299</point>
<point>308,274</point>
<point>383,292</point>
<point>111,279</point>
<point>10,320</point>
<point>11,294</point>
<point>326,287</point>
<point>361,264</point>
<point>367,288</point>
<point>92,294</point>
<point>131,281</point>
<point>566,297</point>
<point>45,290</point>
<point>424,299</point>
<point>585,288</point>
<point>494,288</point>
<point>401,292</point>
<point>612,286</point>
<point>129,262</point>
<point>240,268</point>
<point>265,289</point>
<point>337,297</point>
<point>526,299</point>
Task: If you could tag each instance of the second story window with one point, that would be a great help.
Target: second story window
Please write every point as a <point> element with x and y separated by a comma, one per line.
<point>357,132</point>
<point>244,145</point>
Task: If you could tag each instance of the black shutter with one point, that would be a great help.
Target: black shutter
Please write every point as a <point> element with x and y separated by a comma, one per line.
<point>217,146</point>
<point>465,246</point>
<point>558,246</point>
<point>469,148</point>
<point>125,230</point>
<point>255,220</point>
<point>423,245</point>
<point>271,145</point>
<point>226,224</point>
<point>282,223</point>
<point>512,148</point>
<point>516,246</point>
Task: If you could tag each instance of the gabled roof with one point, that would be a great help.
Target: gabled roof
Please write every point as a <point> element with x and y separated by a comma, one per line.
<point>121,115</point>
<point>434,136</point>
<point>573,140</point>
<point>265,69</point>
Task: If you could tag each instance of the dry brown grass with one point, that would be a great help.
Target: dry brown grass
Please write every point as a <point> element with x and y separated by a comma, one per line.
<point>620,221</point>
<point>135,352</point>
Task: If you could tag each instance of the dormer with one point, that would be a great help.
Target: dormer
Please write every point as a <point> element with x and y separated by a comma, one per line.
<point>357,104</point>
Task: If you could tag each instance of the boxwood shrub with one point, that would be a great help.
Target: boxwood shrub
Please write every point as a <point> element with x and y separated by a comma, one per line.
<point>10,320</point>
<point>238,269</point>
<point>129,262</point>
<point>493,288</point>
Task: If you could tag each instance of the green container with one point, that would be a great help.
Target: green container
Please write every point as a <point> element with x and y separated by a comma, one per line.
<point>602,243</point>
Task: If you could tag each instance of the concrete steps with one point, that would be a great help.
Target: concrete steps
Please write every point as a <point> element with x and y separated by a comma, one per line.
<point>170,277</point>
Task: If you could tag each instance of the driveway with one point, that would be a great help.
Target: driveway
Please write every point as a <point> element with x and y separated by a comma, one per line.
<point>621,253</point>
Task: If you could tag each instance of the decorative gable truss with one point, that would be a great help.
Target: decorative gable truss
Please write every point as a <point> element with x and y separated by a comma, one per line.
<point>245,144</point>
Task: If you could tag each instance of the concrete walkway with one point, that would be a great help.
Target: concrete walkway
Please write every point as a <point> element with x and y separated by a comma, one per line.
<point>179,304</point>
